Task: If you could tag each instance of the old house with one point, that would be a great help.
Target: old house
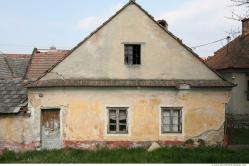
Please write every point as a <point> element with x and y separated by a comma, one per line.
<point>232,62</point>
<point>129,83</point>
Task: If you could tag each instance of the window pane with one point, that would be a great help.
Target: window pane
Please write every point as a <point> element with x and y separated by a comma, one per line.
<point>174,128</point>
<point>175,120</point>
<point>122,128</point>
<point>166,128</point>
<point>166,120</point>
<point>112,114</point>
<point>112,121</point>
<point>166,112</point>
<point>122,115</point>
<point>113,128</point>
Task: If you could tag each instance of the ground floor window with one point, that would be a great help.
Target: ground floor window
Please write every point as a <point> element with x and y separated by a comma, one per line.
<point>118,120</point>
<point>171,120</point>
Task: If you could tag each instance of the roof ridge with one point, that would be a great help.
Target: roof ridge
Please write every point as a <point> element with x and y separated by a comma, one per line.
<point>29,63</point>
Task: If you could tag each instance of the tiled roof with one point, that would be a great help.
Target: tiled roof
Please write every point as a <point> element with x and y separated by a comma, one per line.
<point>41,61</point>
<point>12,92</point>
<point>235,55</point>
<point>18,63</point>
<point>12,95</point>
<point>5,71</point>
<point>131,83</point>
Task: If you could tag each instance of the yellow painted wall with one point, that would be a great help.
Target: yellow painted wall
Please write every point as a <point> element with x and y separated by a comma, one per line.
<point>84,113</point>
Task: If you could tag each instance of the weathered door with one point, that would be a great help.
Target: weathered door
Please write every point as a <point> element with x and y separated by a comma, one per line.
<point>50,129</point>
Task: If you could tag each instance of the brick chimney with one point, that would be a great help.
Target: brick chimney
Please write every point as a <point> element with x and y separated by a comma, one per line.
<point>163,23</point>
<point>245,26</point>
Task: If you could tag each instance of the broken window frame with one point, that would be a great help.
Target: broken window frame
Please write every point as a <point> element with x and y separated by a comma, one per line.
<point>132,54</point>
<point>118,123</point>
<point>171,110</point>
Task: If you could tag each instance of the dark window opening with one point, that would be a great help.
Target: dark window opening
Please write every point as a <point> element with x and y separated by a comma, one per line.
<point>171,120</point>
<point>132,54</point>
<point>248,90</point>
<point>117,121</point>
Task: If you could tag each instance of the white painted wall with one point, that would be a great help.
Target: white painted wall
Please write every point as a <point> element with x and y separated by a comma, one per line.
<point>238,103</point>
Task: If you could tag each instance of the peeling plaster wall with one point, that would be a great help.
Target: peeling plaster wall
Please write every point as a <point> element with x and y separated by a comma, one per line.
<point>19,133</point>
<point>102,55</point>
<point>84,116</point>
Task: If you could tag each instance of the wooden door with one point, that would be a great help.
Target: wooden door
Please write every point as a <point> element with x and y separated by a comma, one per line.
<point>50,129</point>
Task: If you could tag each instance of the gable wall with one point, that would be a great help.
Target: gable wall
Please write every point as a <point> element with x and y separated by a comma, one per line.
<point>102,56</point>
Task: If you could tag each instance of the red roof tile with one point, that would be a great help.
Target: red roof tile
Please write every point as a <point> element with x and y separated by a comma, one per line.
<point>41,61</point>
<point>235,55</point>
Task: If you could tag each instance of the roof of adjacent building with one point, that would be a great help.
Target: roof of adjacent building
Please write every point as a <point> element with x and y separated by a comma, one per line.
<point>5,71</point>
<point>14,68</point>
<point>18,63</point>
<point>41,61</point>
<point>234,55</point>
<point>13,95</point>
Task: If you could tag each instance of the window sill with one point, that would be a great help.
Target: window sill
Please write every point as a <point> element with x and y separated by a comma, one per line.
<point>133,66</point>
<point>118,135</point>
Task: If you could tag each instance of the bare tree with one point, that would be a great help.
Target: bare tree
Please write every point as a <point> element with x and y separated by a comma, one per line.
<point>241,2</point>
<point>240,5</point>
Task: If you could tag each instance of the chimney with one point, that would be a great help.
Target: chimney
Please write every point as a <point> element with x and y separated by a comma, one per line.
<point>52,48</point>
<point>245,26</point>
<point>163,23</point>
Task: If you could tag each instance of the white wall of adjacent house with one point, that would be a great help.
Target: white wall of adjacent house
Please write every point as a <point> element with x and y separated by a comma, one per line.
<point>102,55</point>
<point>239,104</point>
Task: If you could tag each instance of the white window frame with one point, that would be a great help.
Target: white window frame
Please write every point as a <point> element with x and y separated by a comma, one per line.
<point>128,121</point>
<point>182,121</point>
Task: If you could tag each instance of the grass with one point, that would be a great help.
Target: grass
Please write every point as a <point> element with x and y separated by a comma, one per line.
<point>138,155</point>
<point>240,136</point>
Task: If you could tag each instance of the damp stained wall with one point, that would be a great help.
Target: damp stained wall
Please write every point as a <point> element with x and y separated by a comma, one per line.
<point>84,115</point>
<point>19,132</point>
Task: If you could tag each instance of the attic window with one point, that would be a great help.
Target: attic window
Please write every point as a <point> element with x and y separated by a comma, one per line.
<point>248,90</point>
<point>132,54</point>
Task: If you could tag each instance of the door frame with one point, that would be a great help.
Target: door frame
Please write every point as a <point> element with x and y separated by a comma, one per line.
<point>61,110</point>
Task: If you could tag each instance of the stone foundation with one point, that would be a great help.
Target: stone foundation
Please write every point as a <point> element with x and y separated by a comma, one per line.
<point>95,145</point>
<point>212,137</point>
<point>18,147</point>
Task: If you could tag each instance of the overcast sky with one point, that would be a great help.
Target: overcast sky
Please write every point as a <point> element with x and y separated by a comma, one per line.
<point>25,24</point>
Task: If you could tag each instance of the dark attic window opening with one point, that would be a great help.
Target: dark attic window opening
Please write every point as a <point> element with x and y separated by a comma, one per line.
<point>247,90</point>
<point>132,54</point>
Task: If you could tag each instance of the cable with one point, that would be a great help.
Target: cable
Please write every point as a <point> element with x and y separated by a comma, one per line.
<point>202,45</point>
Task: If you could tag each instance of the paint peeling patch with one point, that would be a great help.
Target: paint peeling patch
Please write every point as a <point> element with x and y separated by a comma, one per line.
<point>16,147</point>
<point>212,137</point>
